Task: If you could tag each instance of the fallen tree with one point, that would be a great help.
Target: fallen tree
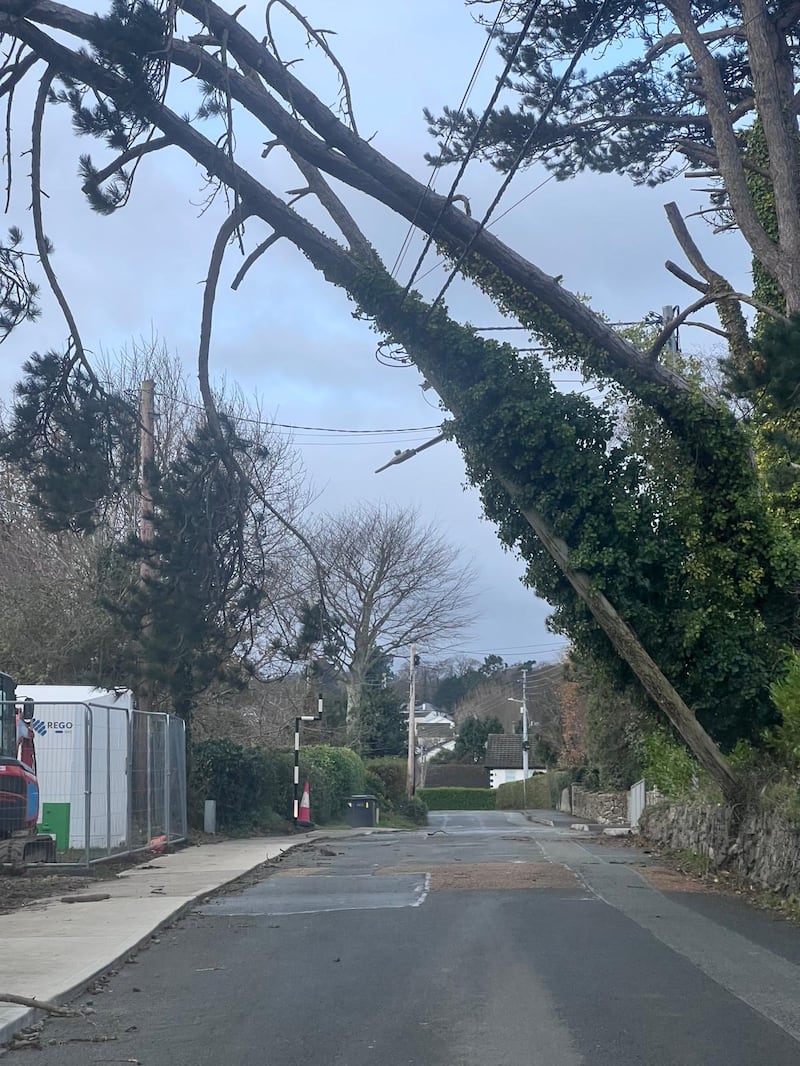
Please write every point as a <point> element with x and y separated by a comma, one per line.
<point>552,504</point>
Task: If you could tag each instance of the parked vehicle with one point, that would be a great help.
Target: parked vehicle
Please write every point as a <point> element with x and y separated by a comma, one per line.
<point>20,843</point>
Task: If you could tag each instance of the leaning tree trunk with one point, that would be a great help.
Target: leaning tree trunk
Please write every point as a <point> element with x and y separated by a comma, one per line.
<point>377,295</point>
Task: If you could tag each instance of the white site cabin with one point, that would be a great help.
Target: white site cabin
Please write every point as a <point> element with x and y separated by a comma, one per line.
<point>68,720</point>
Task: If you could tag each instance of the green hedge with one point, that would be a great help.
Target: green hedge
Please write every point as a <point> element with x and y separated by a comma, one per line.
<point>457,799</point>
<point>510,797</point>
<point>414,809</point>
<point>333,774</point>
<point>542,792</point>
<point>253,786</point>
<point>386,780</point>
<point>249,784</point>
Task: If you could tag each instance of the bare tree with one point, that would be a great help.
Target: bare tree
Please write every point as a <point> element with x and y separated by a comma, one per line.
<point>54,628</point>
<point>390,580</point>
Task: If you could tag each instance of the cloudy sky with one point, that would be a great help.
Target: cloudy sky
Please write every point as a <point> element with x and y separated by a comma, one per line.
<point>290,338</point>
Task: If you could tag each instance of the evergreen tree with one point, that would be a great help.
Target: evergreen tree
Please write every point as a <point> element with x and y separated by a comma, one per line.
<point>75,442</point>
<point>551,475</point>
<point>472,736</point>
<point>194,613</point>
<point>382,727</point>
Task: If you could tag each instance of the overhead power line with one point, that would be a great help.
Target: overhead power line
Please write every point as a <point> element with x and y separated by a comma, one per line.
<point>521,154</point>
<point>512,55</point>
<point>290,425</point>
<point>470,85</point>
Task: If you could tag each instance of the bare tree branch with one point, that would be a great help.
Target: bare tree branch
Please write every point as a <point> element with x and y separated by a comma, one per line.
<point>226,231</point>
<point>335,207</point>
<point>676,322</point>
<point>671,39</point>
<point>42,243</point>
<point>730,160</point>
<point>38,1004</point>
<point>685,276</point>
<point>319,37</point>
<point>728,307</point>
<point>253,257</point>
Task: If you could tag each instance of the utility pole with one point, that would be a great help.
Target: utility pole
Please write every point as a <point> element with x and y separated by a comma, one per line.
<point>412,728</point>
<point>525,744</point>
<point>668,313</point>
<point>147,454</point>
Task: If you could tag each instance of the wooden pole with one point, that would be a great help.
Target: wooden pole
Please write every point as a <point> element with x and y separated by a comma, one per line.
<point>412,731</point>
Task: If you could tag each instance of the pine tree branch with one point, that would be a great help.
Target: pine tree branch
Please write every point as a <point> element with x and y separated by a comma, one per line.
<point>711,329</point>
<point>728,305</point>
<point>726,143</point>
<point>134,153</point>
<point>685,276</point>
<point>336,209</point>
<point>42,243</point>
<point>17,72</point>
<point>237,474</point>
<point>319,37</point>
<point>671,39</point>
<point>253,257</point>
<point>675,323</point>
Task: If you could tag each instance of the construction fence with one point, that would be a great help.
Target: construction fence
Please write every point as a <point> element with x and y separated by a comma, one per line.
<point>112,780</point>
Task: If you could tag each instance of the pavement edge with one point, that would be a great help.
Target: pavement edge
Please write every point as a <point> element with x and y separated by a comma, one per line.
<point>8,1030</point>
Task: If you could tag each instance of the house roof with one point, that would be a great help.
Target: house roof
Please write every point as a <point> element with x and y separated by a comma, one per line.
<point>503,751</point>
<point>434,718</point>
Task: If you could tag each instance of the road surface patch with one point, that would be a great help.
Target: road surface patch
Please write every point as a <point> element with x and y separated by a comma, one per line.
<point>491,876</point>
<point>319,895</point>
<point>666,880</point>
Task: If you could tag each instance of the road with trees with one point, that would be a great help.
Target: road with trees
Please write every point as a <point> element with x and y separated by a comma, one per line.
<point>697,603</point>
<point>483,938</point>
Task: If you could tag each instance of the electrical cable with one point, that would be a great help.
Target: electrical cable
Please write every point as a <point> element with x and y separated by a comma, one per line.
<point>289,425</point>
<point>543,115</point>
<point>470,85</point>
<point>475,138</point>
<point>530,192</point>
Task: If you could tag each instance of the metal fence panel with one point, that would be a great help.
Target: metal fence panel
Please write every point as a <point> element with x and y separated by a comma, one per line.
<point>637,798</point>
<point>112,780</point>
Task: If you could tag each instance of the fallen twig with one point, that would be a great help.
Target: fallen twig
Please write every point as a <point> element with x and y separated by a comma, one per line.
<point>38,1004</point>
<point>88,898</point>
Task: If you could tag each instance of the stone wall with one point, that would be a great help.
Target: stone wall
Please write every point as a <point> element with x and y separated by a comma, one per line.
<point>606,808</point>
<point>762,848</point>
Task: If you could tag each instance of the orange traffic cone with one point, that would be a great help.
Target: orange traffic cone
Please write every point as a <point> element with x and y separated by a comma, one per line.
<point>304,814</point>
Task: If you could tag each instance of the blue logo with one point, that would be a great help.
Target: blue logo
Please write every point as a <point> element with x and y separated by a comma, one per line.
<point>59,728</point>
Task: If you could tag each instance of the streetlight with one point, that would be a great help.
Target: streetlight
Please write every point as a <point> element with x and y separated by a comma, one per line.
<point>525,745</point>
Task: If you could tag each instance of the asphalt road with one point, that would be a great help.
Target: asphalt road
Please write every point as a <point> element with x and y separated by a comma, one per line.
<point>482,940</point>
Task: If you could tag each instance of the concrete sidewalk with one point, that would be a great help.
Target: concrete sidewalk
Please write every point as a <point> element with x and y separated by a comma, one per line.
<point>50,949</point>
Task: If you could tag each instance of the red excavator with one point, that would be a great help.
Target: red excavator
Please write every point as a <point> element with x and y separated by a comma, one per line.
<point>20,844</point>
